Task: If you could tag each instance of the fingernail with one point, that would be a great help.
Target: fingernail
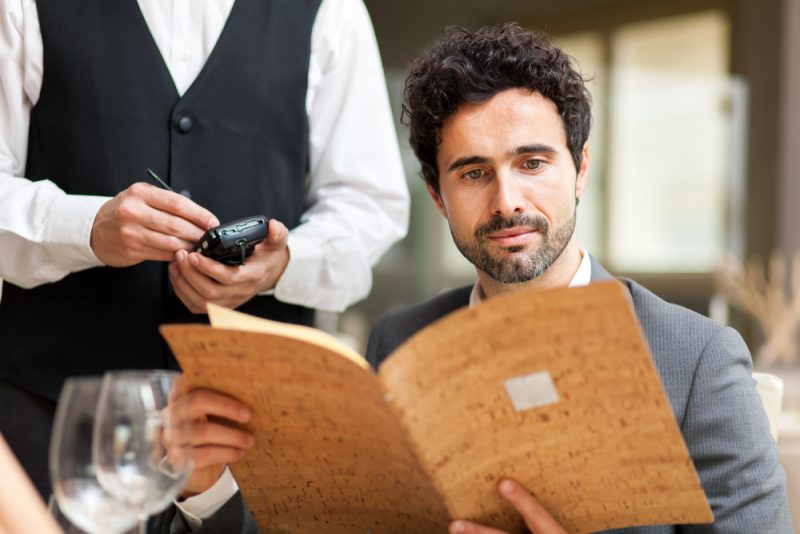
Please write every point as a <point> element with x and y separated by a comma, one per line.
<point>507,487</point>
<point>251,440</point>
<point>244,413</point>
<point>212,222</point>
<point>194,260</point>
<point>457,527</point>
<point>181,255</point>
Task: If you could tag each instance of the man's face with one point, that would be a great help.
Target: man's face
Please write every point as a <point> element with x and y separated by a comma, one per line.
<point>508,185</point>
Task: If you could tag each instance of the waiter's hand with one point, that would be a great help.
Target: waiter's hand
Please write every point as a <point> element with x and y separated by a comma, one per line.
<point>145,222</point>
<point>199,280</point>
<point>214,438</point>
<point>536,518</point>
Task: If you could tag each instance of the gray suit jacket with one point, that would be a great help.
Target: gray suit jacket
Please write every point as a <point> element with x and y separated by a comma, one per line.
<point>706,371</point>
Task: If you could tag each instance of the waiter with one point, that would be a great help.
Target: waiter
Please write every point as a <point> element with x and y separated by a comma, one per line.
<point>245,107</point>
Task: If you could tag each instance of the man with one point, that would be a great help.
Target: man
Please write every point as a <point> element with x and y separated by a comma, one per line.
<point>250,107</point>
<point>499,120</point>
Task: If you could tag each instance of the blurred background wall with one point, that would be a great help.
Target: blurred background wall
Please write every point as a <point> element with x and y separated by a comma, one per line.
<point>694,150</point>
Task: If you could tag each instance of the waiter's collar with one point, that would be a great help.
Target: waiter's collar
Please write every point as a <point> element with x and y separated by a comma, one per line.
<point>582,277</point>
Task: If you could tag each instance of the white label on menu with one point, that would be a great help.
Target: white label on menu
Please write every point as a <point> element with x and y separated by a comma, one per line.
<point>531,391</point>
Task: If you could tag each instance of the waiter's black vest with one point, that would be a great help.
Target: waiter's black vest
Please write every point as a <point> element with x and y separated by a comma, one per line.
<point>237,141</point>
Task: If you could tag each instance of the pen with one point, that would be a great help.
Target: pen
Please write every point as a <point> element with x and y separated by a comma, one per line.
<point>159,180</point>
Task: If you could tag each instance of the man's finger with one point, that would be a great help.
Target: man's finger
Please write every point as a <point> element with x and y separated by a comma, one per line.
<point>163,242</point>
<point>216,434</point>
<point>205,456</point>
<point>535,516</point>
<point>208,288</point>
<point>219,272</point>
<point>277,235</point>
<point>179,205</point>
<point>154,254</point>
<point>204,402</point>
<point>172,225</point>
<point>185,292</point>
<point>180,389</point>
<point>467,527</point>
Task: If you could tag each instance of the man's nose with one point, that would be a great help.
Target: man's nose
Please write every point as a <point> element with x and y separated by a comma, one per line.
<point>507,196</point>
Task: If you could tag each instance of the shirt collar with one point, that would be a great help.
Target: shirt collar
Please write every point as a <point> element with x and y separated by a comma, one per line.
<point>582,277</point>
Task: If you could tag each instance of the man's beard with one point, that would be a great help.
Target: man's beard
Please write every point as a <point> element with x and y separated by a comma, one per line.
<point>518,267</point>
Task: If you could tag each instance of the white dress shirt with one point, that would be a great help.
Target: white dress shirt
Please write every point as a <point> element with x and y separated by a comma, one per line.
<point>356,200</point>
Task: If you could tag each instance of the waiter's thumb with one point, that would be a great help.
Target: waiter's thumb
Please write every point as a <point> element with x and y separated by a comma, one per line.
<point>276,236</point>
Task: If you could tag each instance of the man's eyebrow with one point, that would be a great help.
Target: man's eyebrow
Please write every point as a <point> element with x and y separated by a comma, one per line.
<point>533,149</point>
<point>524,149</point>
<point>469,160</point>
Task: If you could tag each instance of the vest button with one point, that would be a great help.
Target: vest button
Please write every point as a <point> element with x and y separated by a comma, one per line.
<point>184,124</point>
<point>186,193</point>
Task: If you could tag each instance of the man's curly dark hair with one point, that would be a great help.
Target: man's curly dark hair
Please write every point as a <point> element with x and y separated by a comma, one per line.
<point>463,66</point>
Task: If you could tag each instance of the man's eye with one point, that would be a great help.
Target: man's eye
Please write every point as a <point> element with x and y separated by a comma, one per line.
<point>474,174</point>
<point>532,164</point>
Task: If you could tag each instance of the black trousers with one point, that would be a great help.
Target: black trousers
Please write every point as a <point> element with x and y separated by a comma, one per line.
<point>26,422</point>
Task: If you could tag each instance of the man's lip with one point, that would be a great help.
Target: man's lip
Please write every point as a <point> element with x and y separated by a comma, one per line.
<point>511,232</point>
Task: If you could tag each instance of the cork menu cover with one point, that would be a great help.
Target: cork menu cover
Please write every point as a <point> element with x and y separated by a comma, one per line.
<point>555,389</point>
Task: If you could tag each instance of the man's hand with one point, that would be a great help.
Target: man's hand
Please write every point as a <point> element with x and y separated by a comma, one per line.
<point>145,222</point>
<point>537,519</point>
<point>214,443</point>
<point>199,280</point>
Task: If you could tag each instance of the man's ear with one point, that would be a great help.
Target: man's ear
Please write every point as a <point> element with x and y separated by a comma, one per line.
<point>437,199</point>
<point>583,172</point>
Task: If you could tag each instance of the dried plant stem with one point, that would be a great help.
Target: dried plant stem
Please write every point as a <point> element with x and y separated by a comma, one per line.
<point>765,298</point>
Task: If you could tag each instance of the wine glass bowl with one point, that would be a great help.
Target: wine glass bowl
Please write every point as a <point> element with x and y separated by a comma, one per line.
<point>141,445</point>
<point>77,491</point>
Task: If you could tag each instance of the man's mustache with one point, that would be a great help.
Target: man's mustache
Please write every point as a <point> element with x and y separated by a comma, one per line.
<point>521,220</point>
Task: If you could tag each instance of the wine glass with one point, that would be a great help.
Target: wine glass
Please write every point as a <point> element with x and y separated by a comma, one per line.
<point>77,492</point>
<point>141,447</point>
<point>63,522</point>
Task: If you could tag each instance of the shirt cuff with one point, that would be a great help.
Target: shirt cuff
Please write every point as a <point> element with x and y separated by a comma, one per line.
<point>303,264</point>
<point>69,230</point>
<point>204,505</point>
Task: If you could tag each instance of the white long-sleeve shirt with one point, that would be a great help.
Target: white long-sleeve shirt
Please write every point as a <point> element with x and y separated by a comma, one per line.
<point>357,199</point>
